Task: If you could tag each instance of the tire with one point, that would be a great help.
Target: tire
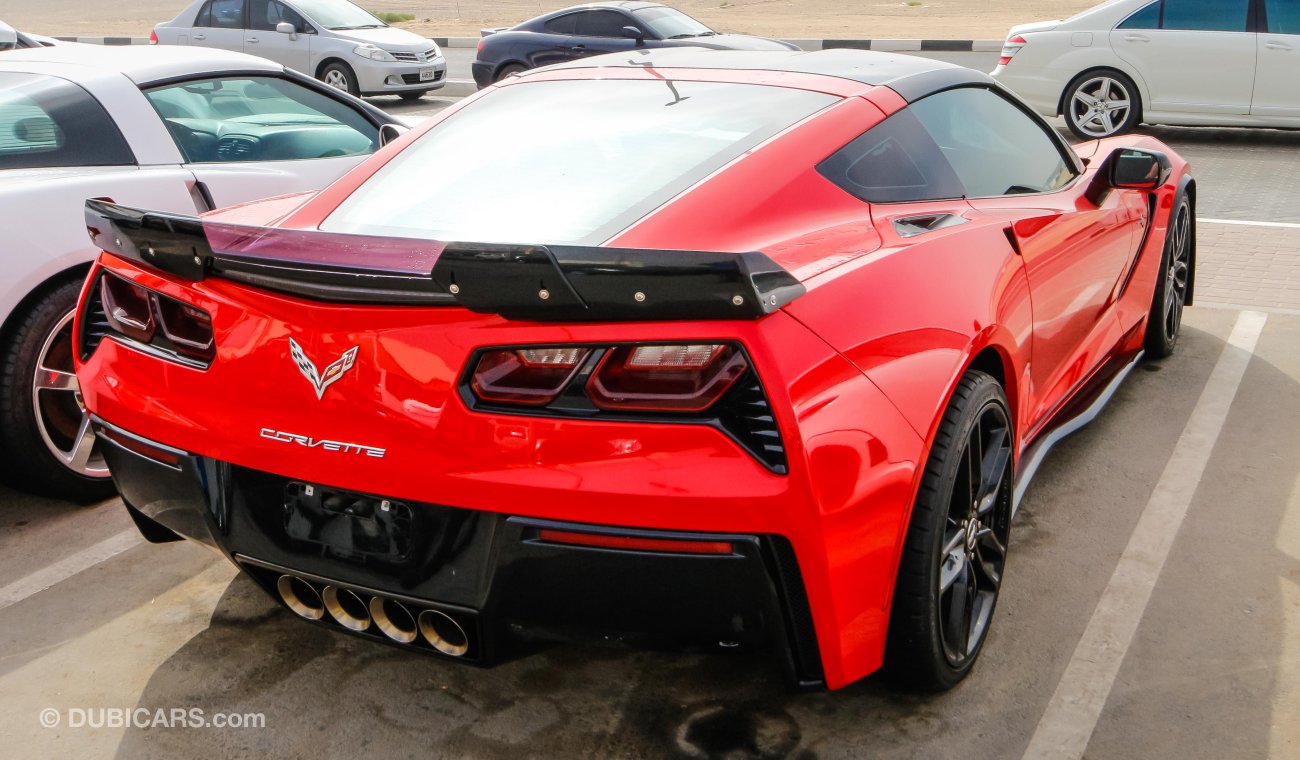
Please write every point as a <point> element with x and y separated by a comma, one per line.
<point>955,551</point>
<point>1100,104</point>
<point>45,441</point>
<point>340,76</point>
<point>411,96</point>
<point>1165,321</point>
<point>509,69</point>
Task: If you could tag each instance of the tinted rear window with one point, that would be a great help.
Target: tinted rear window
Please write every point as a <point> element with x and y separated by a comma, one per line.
<point>48,122</point>
<point>566,162</point>
<point>1206,15</point>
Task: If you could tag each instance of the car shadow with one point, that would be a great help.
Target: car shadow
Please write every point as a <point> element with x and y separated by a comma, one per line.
<point>325,693</point>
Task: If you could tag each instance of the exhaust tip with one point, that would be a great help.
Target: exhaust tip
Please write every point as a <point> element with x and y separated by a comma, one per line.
<point>346,608</point>
<point>443,633</point>
<point>393,619</point>
<point>300,597</point>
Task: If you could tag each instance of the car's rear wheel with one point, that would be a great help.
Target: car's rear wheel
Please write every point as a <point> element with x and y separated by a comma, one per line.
<point>340,76</point>
<point>1102,103</point>
<point>48,445</point>
<point>956,546</point>
<point>1166,318</point>
<point>509,69</point>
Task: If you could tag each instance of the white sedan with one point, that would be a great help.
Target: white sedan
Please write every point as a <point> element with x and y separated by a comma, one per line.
<point>1179,62</point>
<point>165,128</point>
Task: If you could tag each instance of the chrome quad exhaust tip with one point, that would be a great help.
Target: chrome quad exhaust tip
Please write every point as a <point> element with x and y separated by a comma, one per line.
<point>301,597</point>
<point>394,620</point>
<point>443,633</point>
<point>347,609</point>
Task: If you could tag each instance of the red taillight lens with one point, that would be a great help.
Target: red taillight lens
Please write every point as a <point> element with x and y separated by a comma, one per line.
<point>635,543</point>
<point>1010,48</point>
<point>532,376</point>
<point>153,38</point>
<point>680,378</point>
<point>479,50</point>
<point>189,329</point>
<point>128,309</point>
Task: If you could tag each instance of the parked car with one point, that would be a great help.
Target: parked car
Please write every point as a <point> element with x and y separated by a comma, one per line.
<point>12,39</point>
<point>754,367</point>
<point>596,28</point>
<point>335,41</point>
<point>179,129</point>
<point>1180,62</point>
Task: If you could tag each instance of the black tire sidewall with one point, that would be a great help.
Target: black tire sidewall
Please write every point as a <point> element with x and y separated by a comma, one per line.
<point>508,69</point>
<point>28,463</point>
<point>1131,120</point>
<point>1158,345</point>
<point>916,658</point>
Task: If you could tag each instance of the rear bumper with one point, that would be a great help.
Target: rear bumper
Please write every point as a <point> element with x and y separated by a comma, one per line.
<point>493,573</point>
<point>482,73</point>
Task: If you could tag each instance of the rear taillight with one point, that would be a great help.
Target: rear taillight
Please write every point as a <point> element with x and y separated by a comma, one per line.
<point>165,324</point>
<point>682,378</point>
<point>128,309</point>
<point>479,50</point>
<point>707,383</point>
<point>531,376</point>
<point>1010,48</point>
<point>153,38</point>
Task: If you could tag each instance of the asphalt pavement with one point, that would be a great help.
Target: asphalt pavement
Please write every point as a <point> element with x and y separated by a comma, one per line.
<point>1151,607</point>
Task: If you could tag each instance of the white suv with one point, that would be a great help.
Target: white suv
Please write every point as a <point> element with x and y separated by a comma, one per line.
<point>335,41</point>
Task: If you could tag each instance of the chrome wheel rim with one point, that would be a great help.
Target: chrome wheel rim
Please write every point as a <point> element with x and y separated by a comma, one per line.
<point>1100,105</point>
<point>336,79</point>
<point>975,536</point>
<point>1176,276</point>
<point>61,415</point>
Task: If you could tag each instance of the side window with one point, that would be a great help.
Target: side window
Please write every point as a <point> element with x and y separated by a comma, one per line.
<point>45,122</point>
<point>893,162</point>
<point>1283,16</point>
<point>263,15</point>
<point>603,24</point>
<point>222,14</point>
<point>1206,15</point>
<point>1146,17</point>
<point>994,147</point>
<point>259,119</point>
<point>566,24</point>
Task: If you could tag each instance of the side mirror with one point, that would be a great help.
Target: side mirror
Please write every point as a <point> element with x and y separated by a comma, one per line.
<point>1130,169</point>
<point>389,132</point>
<point>634,33</point>
<point>284,27</point>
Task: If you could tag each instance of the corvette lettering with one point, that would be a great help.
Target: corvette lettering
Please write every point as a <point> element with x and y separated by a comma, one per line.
<point>323,443</point>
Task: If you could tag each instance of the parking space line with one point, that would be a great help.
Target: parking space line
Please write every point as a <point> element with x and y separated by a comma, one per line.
<point>1283,225</point>
<point>67,567</point>
<point>1066,727</point>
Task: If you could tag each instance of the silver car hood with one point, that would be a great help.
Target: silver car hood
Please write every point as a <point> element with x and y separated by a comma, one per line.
<point>388,38</point>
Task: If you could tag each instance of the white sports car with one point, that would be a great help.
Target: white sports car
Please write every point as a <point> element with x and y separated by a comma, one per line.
<point>1180,62</point>
<point>167,128</point>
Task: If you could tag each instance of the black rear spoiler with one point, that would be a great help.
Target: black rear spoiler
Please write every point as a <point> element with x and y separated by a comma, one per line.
<point>535,282</point>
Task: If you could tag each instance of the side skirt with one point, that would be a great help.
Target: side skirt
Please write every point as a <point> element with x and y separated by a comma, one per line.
<point>1092,399</point>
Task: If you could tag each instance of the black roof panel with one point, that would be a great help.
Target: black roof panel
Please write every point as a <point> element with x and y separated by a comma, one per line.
<point>911,76</point>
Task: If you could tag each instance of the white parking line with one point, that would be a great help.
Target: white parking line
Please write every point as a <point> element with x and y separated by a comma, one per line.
<point>1283,225</point>
<point>67,567</point>
<point>1067,725</point>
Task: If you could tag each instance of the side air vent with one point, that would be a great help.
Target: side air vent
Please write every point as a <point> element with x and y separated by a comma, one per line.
<point>747,416</point>
<point>94,323</point>
<point>910,226</point>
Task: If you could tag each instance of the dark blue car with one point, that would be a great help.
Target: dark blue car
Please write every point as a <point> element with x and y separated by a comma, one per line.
<point>598,28</point>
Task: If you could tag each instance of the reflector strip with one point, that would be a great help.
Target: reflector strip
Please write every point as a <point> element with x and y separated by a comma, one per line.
<point>137,446</point>
<point>636,543</point>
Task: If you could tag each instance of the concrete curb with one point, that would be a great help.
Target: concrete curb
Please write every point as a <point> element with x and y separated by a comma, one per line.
<point>888,46</point>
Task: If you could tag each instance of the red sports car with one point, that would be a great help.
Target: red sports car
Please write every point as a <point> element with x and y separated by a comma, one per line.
<point>738,348</point>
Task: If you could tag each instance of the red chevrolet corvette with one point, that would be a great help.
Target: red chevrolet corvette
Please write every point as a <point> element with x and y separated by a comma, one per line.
<point>750,349</point>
